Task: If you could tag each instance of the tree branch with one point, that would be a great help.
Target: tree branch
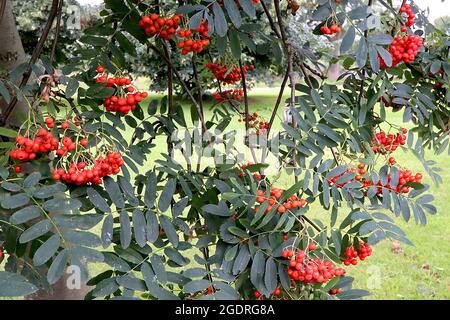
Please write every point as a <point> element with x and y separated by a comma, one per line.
<point>269,17</point>
<point>57,30</point>
<point>244,87</point>
<point>199,85</point>
<point>34,57</point>
<point>277,103</point>
<point>71,103</point>
<point>280,21</point>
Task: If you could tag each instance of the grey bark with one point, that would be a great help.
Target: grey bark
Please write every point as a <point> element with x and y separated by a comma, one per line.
<point>335,70</point>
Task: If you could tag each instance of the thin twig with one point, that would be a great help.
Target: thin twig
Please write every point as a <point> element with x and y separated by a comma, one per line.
<point>269,17</point>
<point>71,103</point>
<point>57,31</point>
<point>199,85</point>
<point>277,103</point>
<point>246,112</point>
<point>169,83</point>
<point>280,22</point>
<point>363,76</point>
<point>314,71</point>
<point>169,97</point>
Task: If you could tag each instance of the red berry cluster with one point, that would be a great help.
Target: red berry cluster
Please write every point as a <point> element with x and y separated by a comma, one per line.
<point>406,8</point>
<point>386,143</point>
<point>259,296</point>
<point>438,85</point>
<point>226,75</point>
<point>387,103</point>
<point>79,174</point>
<point>112,81</point>
<point>256,175</point>
<point>275,194</point>
<point>189,44</point>
<point>27,150</point>
<point>163,28</point>
<point>126,96</point>
<point>334,28</point>
<point>335,291</point>
<point>67,146</point>
<point>50,123</point>
<point>124,105</point>
<point>351,253</point>
<point>168,28</point>
<point>302,268</point>
<point>403,49</point>
<point>361,171</point>
<point>228,95</point>
<point>405,176</point>
<point>254,122</point>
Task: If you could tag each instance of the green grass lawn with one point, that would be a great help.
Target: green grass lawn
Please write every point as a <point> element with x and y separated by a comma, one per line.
<point>419,272</point>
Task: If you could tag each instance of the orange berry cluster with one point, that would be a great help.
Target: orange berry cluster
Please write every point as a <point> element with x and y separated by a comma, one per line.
<point>334,28</point>
<point>226,75</point>
<point>44,142</point>
<point>242,174</point>
<point>302,268</point>
<point>386,143</point>
<point>79,174</point>
<point>361,171</point>
<point>228,95</point>
<point>254,122</point>
<point>351,253</point>
<point>163,28</point>
<point>126,96</point>
<point>27,150</point>
<point>275,194</point>
<point>189,44</point>
<point>403,49</point>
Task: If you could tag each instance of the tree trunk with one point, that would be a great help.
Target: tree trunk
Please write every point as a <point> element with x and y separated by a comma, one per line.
<point>12,54</point>
<point>335,70</point>
<point>61,291</point>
